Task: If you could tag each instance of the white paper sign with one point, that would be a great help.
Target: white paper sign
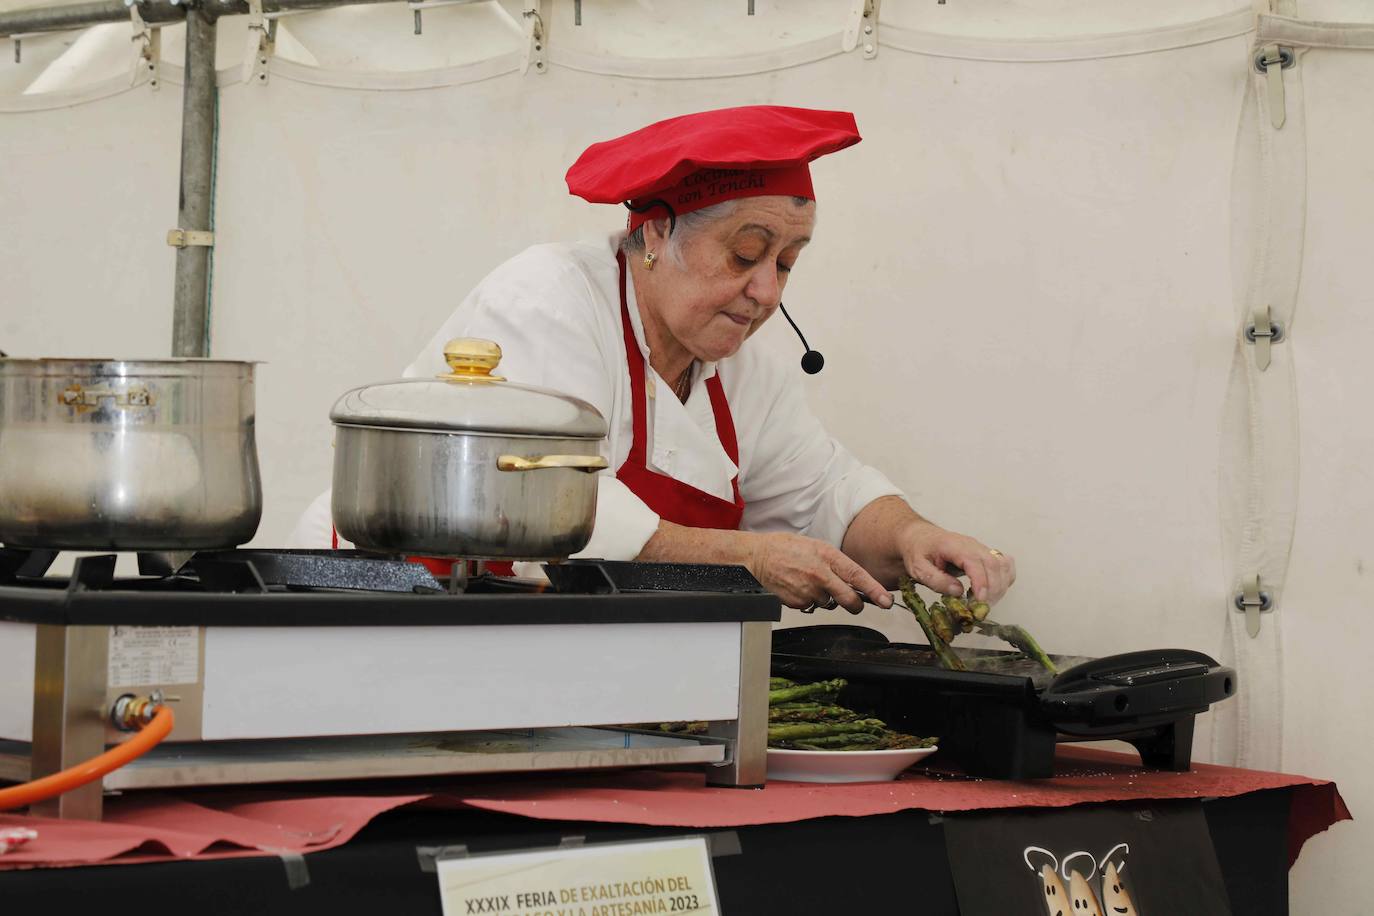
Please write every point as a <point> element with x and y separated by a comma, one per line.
<point>601,879</point>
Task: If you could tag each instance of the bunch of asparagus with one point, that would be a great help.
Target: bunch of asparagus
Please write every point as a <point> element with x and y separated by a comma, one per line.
<point>806,717</point>
<point>941,622</point>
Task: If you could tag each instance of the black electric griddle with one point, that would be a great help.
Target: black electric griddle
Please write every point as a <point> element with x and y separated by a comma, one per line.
<point>1003,717</point>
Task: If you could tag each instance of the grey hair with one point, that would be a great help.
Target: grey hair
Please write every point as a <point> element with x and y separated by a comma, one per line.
<point>688,225</point>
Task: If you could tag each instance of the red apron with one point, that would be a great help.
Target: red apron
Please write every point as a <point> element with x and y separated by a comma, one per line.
<point>672,499</point>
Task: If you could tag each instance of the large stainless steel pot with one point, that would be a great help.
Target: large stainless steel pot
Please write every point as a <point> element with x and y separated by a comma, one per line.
<point>466,464</point>
<point>106,454</point>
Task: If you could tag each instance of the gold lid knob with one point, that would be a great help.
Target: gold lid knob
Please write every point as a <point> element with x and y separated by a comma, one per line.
<point>472,359</point>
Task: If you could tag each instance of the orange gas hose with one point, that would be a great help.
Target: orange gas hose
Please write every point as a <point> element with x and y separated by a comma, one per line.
<point>147,738</point>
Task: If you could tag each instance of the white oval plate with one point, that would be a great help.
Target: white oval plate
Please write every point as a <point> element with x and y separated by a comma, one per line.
<point>842,766</point>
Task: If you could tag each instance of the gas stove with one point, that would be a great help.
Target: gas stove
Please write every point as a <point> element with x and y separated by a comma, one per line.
<point>284,665</point>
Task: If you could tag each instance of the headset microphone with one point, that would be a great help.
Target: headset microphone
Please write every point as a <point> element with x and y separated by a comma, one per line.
<point>812,361</point>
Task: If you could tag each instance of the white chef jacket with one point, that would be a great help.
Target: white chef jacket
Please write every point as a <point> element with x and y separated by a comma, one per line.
<point>555,311</point>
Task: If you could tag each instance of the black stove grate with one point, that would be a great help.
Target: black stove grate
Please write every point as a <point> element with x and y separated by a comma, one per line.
<point>245,570</point>
<point>261,571</point>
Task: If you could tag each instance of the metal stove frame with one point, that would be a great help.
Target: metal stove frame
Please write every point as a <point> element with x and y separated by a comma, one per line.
<point>72,699</point>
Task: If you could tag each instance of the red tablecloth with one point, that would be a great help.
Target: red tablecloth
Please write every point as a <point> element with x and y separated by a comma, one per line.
<point>220,823</point>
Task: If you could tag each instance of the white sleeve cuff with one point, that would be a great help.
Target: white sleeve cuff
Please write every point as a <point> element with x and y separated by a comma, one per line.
<point>624,523</point>
<point>845,500</point>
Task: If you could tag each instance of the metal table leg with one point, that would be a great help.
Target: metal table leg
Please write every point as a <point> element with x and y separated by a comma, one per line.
<point>69,712</point>
<point>748,734</point>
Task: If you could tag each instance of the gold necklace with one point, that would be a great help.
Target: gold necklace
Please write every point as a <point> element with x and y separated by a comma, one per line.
<point>684,384</point>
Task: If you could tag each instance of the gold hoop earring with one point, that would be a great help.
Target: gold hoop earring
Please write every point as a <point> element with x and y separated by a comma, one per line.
<point>649,260</point>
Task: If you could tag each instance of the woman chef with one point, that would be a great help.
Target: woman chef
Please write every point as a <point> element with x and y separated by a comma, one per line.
<point>716,458</point>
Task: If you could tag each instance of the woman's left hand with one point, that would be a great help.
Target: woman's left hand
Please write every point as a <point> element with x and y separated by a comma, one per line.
<point>928,550</point>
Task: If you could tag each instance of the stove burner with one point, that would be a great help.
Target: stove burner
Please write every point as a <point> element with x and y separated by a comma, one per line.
<point>239,570</point>
<point>652,577</point>
<point>234,571</point>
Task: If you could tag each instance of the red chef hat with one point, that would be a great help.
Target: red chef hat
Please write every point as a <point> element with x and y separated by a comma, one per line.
<point>700,159</point>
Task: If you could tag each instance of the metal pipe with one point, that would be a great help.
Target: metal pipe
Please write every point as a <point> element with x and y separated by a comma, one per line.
<point>191,288</point>
<point>81,15</point>
<point>191,298</point>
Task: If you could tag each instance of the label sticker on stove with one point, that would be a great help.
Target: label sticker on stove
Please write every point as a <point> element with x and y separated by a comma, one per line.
<point>599,879</point>
<point>154,656</point>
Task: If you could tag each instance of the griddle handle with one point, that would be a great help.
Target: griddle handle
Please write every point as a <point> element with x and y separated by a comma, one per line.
<point>1153,674</point>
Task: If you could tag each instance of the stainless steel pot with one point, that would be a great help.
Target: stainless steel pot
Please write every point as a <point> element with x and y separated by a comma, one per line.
<point>106,454</point>
<point>466,464</point>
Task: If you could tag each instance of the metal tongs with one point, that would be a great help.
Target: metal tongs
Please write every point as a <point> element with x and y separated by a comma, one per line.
<point>941,622</point>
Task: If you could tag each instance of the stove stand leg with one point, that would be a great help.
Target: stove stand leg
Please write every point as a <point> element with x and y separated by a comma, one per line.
<point>1170,748</point>
<point>69,712</point>
<point>748,767</point>
<point>1000,740</point>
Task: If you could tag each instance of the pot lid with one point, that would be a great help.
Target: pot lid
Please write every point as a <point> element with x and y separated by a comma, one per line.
<point>471,398</point>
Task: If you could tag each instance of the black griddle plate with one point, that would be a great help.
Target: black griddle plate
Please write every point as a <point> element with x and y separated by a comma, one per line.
<point>989,670</point>
<point>1004,716</point>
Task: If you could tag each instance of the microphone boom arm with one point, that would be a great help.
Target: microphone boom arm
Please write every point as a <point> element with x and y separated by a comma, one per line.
<point>812,361</point>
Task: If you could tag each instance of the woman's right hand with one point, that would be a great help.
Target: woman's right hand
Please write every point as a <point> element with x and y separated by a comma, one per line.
<point>805,572</point>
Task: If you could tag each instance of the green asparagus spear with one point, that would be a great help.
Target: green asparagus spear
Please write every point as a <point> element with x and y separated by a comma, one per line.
<point>861,741</point>
<point>793,731</point>
<point>841,742</point>
<point>1018,637</point>
<point>962,613</point>
<point>918,608</point>
<point>805,691</point>
<point>804,716</point>
<point>944,622</point>
<point>896,741</point>
<point>813,714</point>
<point>968,612</point>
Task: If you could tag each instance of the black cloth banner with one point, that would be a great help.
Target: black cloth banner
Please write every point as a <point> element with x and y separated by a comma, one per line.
<point>1116,861</point>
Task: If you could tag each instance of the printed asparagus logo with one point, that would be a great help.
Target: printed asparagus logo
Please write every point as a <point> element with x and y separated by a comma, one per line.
<point>1044,864</point>
<point>1116,897</point>
<point>1096,891</point>
<point>1080,890</point>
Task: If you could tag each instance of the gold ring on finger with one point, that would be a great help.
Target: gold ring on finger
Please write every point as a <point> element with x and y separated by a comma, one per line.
<point>996,553</point>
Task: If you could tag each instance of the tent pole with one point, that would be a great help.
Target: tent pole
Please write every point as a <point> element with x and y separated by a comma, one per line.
<point>80,15</point>
<point>191,312</point>
<point>191,288</point>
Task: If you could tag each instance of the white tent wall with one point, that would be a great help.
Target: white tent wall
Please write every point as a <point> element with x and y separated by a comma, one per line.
<point>87,194</point>
<point>1328,728</point>
<point>1022,281</point>
<point>981,229</point>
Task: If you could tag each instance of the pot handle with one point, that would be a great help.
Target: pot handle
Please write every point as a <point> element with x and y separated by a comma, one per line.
<point>588,463</point>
